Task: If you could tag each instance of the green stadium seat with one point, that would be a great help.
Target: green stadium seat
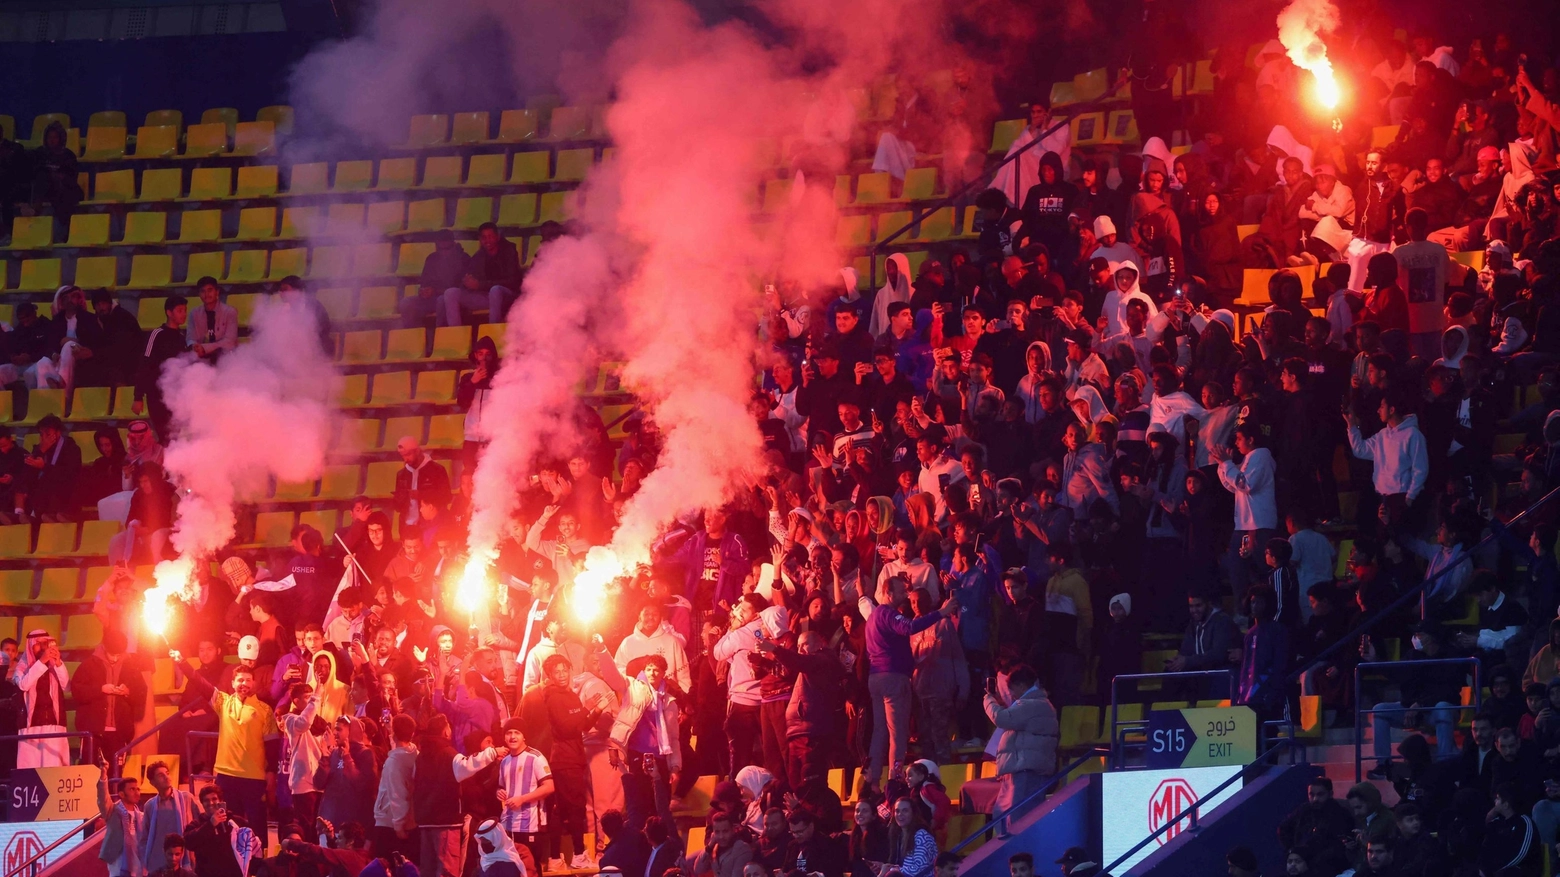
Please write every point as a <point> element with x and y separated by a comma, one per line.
<point>377,303</point>
<point>256,224</point>
<point>273,529</point>
<point>105,144</point>
<point>371,260</point>
<point>82,631</point>
<point>285,263</point>
<point>569,123</point>
<point>379,482</point>
<point>353,176</point>
<point>312,178</point>
<point>777,195</point>
<point>531,167</point>
<point>872,188</point>
<point>574,164</point>
<point>55,540</point>
<point>244,303</point>
<point>344,220</point>
<point>90,403</point>
<point>111,187</point>
<point>248,266</point>
<point>386,217</point>
<point>888,223</point>
<point>391,388</point>
<point>15,540</point>
<point>227,116</point>
<point>555,207</point>
<point>205,140</point>
<point>257,181</point>
<point>405,345</point>
<point>93,272</point>
<point>410,258</point>
<point>322,520</point>
<point>86,230</point>
<point>517,210</point>
<point>396,174</point>
<point>162,184</point>
<point>149,313</point>
<point>200,226</point>
<point>254,138</point>
<point>446,431</point>
<point>210,183</point>
<point>150,271</point>
<point>425,215</point>
<point>397,427</point>
<point>32,232</point>
<point>472,213</point>
<point>361,347</point>
<point>156,141</point>
<point>165,119</point>
<point>42,403</point>
<point>50,623</point>
<point>451,343</point>
<point>340,482</point>
<point>920,184</point>
<point>210,264</point>
<point>106,119</point>
<point>294,491</point>
<point>517,126</point>
<point>337,302</point>
<point>145,228</point>
<point>124,398</point>
<point>487,170</point>
<point>279,115</point>
<point>16,586</point>
<point>428,130</point>
<point>358,435</point>
<point>937,225</point>
<point>469,128</point>
<point>442,172</point>
<point>301,222</point>
<point>354,391</point>
<point>854,231</point>
<point>331,262</point>
<point>436,387</point>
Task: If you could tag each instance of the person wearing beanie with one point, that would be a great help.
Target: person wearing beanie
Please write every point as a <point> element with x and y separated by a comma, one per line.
<point>1111,248</point>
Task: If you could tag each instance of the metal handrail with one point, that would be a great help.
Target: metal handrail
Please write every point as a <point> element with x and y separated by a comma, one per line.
<point>32,861</point>
<point>1196,806</point>
<point>119,755</point>
<point>189,756</point>
<point>86,746</point>
<point>1115,706</point>
<point>1049,784</point>
<point>1360,712</point>
<point>919,213</point>
<point>1416,591</point>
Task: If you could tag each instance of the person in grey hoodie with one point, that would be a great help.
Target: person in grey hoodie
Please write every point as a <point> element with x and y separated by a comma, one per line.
<point>393,820</point>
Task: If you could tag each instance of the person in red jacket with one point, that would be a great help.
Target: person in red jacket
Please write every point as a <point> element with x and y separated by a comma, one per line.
<point>1385,302</point>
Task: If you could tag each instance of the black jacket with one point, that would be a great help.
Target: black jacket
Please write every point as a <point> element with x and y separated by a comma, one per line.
<point>160,346</point>
<point>500,268</point>
<point>92,704</point>
<point>433,483</point>
<point>437,797</point>
<point>53,489</point>
<point>1206,646</point>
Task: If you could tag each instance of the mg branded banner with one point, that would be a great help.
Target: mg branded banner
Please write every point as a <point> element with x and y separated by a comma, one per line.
<point>1137,803</point>
<point>20,841</point>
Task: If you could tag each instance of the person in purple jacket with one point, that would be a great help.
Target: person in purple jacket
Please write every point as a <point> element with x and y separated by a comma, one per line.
<point>890,662</point>
<point>716,561</point>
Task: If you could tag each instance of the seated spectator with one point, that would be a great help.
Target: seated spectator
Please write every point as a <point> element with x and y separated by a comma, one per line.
<point>115,342</point>
<point>444,269</point>
<point>492,278</point>
<point>14,476</point>
<point>150,521</point>
<point>213,327</point>
<point>101,477</point>
<point>1319,825</point>
<point>55,464</point>
<point>1435,690</point>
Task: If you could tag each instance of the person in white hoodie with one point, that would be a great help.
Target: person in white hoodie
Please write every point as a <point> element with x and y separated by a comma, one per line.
<point>1397,451</point>
<point>896,287</point>
<point>1256,504</point>
<point>653,636</point>
<point>1037,360</point>
<point>907,562</point>
<point>303,755</point>
<point>1114,310</point>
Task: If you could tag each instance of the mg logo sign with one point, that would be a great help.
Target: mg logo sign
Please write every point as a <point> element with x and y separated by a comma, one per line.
<point>24,846</point>
<point>1171,802</point>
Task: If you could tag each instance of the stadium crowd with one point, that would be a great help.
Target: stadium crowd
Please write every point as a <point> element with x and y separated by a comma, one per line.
<point>986,483</point>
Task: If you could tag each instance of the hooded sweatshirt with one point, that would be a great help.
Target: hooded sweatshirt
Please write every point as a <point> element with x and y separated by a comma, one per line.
<point>473,396</point>
<point>1115,307</point>
<point>664,642</point>
<point>1400,455</point>
<point>1046,206</point>
<point>891,291</point>
<point>1028,390</point>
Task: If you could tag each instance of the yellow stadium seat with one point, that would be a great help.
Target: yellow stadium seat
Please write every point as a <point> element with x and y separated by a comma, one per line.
<point>42,403</point>
<point>32,232</point>
<point>397,173</point>
<point>531,167</point>
<point>340,482</point>
<point>227,116</point>
<point>256,224</point>
<point>1004,132</point>
<point>446,431</point>
<point>145,228</point>
<point>391,388</point>
<point>442,172</point>
<point>1088,129</point>
<point>574,164</point>
<point>451,343</point>
<point>517,126</point>
<point>397,427</point>
<point>1080,726</point>
<point>200,226</point>
<point>361,347</point>
<point>425,215</point>
<point>89,404</point>
<point>150,271</point>
<point>371,260</point>
<point>88,230</point>
<point>210,183</point>
<point>472,213</point>
<point>286,263</point>
<point>872,188</point>
<point>273,528</point>
<point>300,222</point>
<point>16,586</point>
<point>112,187</point>
<point>569,123</point>
<point>330,262</point>
<point>150,312</point>
<point>162,184</point>
<point>105,119</point>
<point>93,272</point>
<point>487,170</point>
<point>409,262</point>
<point>94,538</point>
<point>280,115</point>
<point>405,345</point>
<point>248,266</point>
<point>105,144</point>
<point>257,181</point>
<point>469,128</point>
<point>60,585</point>
<point>386,217</point>
<point>337,302</point>
<point>244,303</point>
<point>1121,127</point>
<point>357,435</point>
<point>294,491</point>
<point>354,391</point>
<point>309,179</point>
<point>205,140</point>
<point>920,184</point>
<point>353,176</point>
<point>212,264</point>
<point>50,623</point>
<point>165,119</point>
<point>937,225</point>
<point>156,141</point>
<point>437,388</point>
<point>556,206</point>
<point>82,631</point>
<point>254,138</point>
<point>344,220</point>
<point>322,520</point>
<point>380,480</point>
<point>517,210</point>
<point>377,303</point>
<point>888,223</point>
<point>854,231</point>
<point>428,130</point>
<point>164,679</point>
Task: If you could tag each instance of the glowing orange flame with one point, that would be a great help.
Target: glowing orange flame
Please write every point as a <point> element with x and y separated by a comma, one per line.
<point>171,578</point>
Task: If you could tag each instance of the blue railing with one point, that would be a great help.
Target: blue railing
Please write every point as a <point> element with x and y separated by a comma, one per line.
<point>1023,806</point>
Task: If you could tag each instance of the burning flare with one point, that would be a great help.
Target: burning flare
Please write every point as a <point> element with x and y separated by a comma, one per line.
<point>171,579</point>
<point>473,587</point>
<point>602,565</point>
<point>1301,26</point>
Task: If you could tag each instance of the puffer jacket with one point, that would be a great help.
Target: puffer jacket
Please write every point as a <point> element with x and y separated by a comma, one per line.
<point>636,696</point>
<point>1031,732</point>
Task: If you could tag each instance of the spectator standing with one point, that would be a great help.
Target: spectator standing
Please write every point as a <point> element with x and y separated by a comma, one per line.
<point>109,693</point>
<point>890,663</point>
<point>421,478</point>
<point>1252,481</point>
<point>1026,753</point>
<point>213,327</point>
<point>244,725</point>
<point>44,681</point>
<point>162,344</point>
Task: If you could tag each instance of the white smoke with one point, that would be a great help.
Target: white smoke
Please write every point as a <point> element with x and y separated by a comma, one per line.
<point>1301,26</point>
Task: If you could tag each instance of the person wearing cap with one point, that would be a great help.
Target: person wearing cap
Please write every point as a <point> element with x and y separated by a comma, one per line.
<point>245,725</point>
<point>162,344</point>
<point>1083,364</point>
<point>1330,197</point>
<point>1075,862</point>
<point>44,681</point>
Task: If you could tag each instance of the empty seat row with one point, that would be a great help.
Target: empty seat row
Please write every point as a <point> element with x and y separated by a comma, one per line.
<point>251,139</point>
<point>82,630</point>
<point>89,539</point>
<point>514,126</point>
<point>862,229</point>
<point>389,389</point>
<point>321,178</point>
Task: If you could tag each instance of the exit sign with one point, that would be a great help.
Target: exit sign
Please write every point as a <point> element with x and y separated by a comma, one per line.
<point>1201,737</point>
